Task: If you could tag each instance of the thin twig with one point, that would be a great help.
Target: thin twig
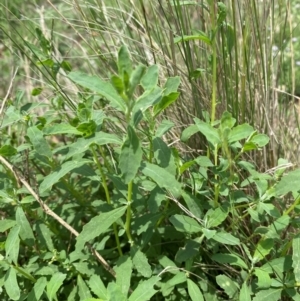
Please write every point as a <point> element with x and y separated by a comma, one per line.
<point>8,92</point>
<point>48,211</point>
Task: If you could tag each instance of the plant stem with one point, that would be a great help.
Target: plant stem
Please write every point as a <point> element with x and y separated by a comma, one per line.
<point>128,214</point>
<point>104,184</point>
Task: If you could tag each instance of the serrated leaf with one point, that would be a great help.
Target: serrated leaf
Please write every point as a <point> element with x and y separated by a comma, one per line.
<point>39,142</point>
<point>26,232</point>
<point>296,258</point>
<point>194,291</point>
<point>61,128</point>
<point>185,224</point>
<point>231,259</point>
<point>60,172</point>
<point>6,224</point>
<point>11,284</point>
<point>83,290</point>
<point>54,284</point>
<point>162,177</point>
<point>96,285</point>
<point>226,238</point>
<point>230,287</point>
<point>150,78</point>
<point>245,293</point>
<point>271,294</point>
<point>99,86</point>
<point>123,271</point>
<point>140,262</point>
<point>114,292</point>
<point>38,289</point>
<point>144,290</point>
<point>98,225</point>
<point>131,156</point>
<point>12,244</point>
<point>288,183</point>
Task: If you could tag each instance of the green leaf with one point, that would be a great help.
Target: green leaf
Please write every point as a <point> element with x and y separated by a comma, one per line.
<point>171,85</point>
<point>168,287</point>
<point>54,284</point>
<point>26,232</point>
<point>38,141</point>
<point>230,287</point>
<point>240,132</point>
<point>83,144</point>
<point>140,262</point>
<point>12,244</point>
<point>288,183</point>
<point>7,151</point>
<point>263,248</point>
<point>226,238</point>
<point>271,294</point>
<point>45,236</point>
<point>193,204</point>
<point>99,86</point>
<point>168,264</point>
<point>11,284</point>
<point>200,37</point>
<point>162,177</point>
<point>188,132</point>
<point>231,259</point>
<point>164,127</point>
<point>264,280</point>
<point>148,99</point>
<point>245,293</point>
<point>37,290</point>
<point>114,293</point>
<point>185,224</point>
<point>6,224</point>
<point>215,217</point>
<point>83,290</point>
<point>190,250</point>
<point>135,78</point>
<point>194,291</point>
<point>165,102</point>
<point>123,271</point>
<point>260,140</point>
<point>210,133</point>
<point>98,225</point>
<point>62,128</point>
<point>278,265</point>
<point>144,290</point>
<point>36,91</point>
<point>163,155</point>
<point>203,161</point>
<point>131,156</point>
<point>96,285</point>
<point>150,78</point>
<point>296,258</point>
<point>124,62</point>
<point>60,172</point>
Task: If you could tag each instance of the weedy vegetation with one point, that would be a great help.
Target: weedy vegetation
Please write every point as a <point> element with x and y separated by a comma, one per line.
<point>149,150</point>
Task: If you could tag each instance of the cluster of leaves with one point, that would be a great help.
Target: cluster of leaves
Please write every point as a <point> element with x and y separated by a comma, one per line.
<point>150,223</point>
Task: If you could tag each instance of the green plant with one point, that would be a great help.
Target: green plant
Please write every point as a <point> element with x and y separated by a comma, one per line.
<point>163,225</point>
